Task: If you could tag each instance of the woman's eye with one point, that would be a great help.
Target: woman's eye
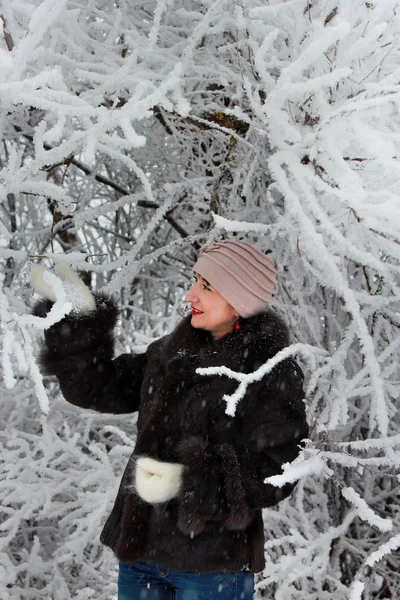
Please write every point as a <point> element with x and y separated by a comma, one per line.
<point>205,287</point>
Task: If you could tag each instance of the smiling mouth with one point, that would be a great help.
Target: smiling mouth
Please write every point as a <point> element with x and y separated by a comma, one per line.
<point>196,312</point>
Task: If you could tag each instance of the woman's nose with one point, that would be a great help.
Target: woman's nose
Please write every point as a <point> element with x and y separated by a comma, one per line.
<point>191,296</point>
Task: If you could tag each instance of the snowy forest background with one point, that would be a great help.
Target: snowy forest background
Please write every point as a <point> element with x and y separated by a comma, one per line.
<point>133,132</point>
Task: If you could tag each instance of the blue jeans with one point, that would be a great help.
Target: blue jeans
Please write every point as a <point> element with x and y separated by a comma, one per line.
<point>145,581</point>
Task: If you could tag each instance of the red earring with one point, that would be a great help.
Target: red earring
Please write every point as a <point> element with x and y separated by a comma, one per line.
<point>237,326</point>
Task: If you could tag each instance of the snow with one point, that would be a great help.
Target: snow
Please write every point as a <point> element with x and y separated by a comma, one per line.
<point>292,473</point>
<point>245,379</point>
<point>386,548</point>
<point>129,139</point>
<point>364,512</point>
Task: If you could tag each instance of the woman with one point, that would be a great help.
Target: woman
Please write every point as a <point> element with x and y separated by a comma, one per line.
<point>187,520</point>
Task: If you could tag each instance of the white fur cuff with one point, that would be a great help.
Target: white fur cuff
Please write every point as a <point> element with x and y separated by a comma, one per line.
<point>157,481</point>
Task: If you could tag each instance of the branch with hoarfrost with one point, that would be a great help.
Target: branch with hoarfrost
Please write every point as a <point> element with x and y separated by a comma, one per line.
<point>364,512</point>
<point>12,326</point>
<point>239,226</point>
<point>317,464</point>
<point>129,444</point>
<point>301,467</point>
<point>16,325</point>
<point>386,548</point>
<point>304,556</point>
<point>330,275</point>
<point>378,443</point>
<point>96,102</point>
<point>310,353</point>
<point>356,590</point>
<point>349,461</point>
<point>358,586</point>
<point>56,479</point>
<point>129,264</point>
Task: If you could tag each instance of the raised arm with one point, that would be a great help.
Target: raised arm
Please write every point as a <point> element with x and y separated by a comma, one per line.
<point>79,352</point>
<point>79,349</point>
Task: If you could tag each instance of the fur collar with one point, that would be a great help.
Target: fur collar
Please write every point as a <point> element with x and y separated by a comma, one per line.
<point>258,339</point>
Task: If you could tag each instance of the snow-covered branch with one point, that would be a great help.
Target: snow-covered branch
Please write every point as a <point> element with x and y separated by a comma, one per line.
<point>129,138</point>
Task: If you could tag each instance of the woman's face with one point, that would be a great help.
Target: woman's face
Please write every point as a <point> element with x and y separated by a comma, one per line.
<point>210,311</point>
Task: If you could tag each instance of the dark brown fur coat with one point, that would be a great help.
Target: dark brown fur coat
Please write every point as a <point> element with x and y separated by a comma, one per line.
<point>215,524</point>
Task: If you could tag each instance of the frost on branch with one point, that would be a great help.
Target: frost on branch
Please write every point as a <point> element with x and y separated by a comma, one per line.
<point>130,137</point>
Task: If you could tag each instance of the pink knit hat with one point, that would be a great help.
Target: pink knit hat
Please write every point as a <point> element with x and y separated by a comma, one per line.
<point>242,274</point>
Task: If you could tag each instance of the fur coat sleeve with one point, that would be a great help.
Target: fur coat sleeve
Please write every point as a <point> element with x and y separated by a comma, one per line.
<point>225,481</point>
<point>79,349</point>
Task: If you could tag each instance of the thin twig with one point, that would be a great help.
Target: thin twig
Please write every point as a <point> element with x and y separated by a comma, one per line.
<point>308,10</point>
<point>378,65</point>
<point>7,35</point>
<point>47,256</point>
<point>124,192</point>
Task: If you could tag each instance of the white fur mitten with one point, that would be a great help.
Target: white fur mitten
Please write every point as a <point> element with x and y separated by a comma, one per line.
<point>77,292</point>
<point>157,481</point>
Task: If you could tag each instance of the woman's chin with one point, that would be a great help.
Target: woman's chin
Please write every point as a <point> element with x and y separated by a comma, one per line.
<point>196,322</point>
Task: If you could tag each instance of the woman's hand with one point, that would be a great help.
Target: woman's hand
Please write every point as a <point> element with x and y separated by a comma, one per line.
<point>77,292</point>
<point>157,481</point>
